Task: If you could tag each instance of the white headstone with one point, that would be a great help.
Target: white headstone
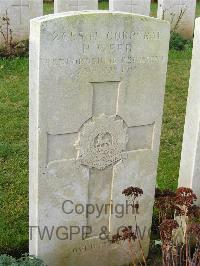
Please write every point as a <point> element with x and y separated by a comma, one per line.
<point>74,5</point>
<point>141,7</point>
<point>180,14</point>
<point>189,175</point>
<point>19,13</point>
<point>97,82</point>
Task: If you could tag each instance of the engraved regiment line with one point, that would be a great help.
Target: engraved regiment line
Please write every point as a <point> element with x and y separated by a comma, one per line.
<point>102,141</point>
<point>128,60</point>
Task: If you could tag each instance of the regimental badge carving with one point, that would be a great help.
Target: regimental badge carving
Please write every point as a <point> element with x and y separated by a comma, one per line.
<point>102,141</point>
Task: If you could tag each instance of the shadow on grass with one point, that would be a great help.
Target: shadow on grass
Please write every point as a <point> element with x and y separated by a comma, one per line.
<point>15,252</point>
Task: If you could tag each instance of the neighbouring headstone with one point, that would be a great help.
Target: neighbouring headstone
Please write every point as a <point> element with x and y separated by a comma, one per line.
<point>189,175</point>
<point>97,82</point>
<point>15,18</point>
<point>141,7</point>
<point>180,14</point>
<point>74,5</point>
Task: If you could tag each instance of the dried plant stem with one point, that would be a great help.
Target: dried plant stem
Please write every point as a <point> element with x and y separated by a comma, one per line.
<point>11,38</point>
<point>186,249</point>
<point>3,34</point>
<point>181,252</point>
<point>173,16</point>
<point>6,33</point>
<point>142,252</point>
<point>179,19</point>
<point>139,242</point>
<point>132,252</point>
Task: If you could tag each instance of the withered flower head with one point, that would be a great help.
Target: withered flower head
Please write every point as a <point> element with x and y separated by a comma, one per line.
<point>193,211</point>
<point>164,201</point>
<point>194,230</point>
<point>185,197</point>
<point>132,192</point>
<point>127,233</point>
<point>165,204</point>
<point>166,229</point>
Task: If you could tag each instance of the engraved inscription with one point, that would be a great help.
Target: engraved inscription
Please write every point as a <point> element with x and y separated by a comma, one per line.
<point>102,141</point>
<point>125,63</point>
<point>113,49</point>
<point>111,36</point>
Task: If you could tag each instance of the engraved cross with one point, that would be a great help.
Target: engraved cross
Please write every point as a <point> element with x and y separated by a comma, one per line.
<point>131,5</point>
<point>102,142</point>
<point>77,5</point>
<point>21,7</point>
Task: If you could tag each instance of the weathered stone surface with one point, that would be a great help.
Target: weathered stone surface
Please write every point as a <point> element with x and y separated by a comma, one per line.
<point>74,5</point>
<point>189,175</point>
<point>180,14</point>
<point>19,13</point>
<point>141,7</point>
<point>97,83</point>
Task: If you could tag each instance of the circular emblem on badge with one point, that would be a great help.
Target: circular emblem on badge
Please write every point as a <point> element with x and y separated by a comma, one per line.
<point>102,141</point>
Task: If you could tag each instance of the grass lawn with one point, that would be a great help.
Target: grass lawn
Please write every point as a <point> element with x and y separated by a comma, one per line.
<point>14,139</point>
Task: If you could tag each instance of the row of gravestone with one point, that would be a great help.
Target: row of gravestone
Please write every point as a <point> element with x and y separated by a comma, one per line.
<point>97,83</point>
<point>180,13</point>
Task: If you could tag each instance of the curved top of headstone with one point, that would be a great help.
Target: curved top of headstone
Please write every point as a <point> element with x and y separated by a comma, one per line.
<point>96,12</point>
<point>81,41</point>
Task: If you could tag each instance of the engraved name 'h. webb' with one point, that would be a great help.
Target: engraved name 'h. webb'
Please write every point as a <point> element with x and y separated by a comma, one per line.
<point>102,142</point>
<point>20,6</point>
